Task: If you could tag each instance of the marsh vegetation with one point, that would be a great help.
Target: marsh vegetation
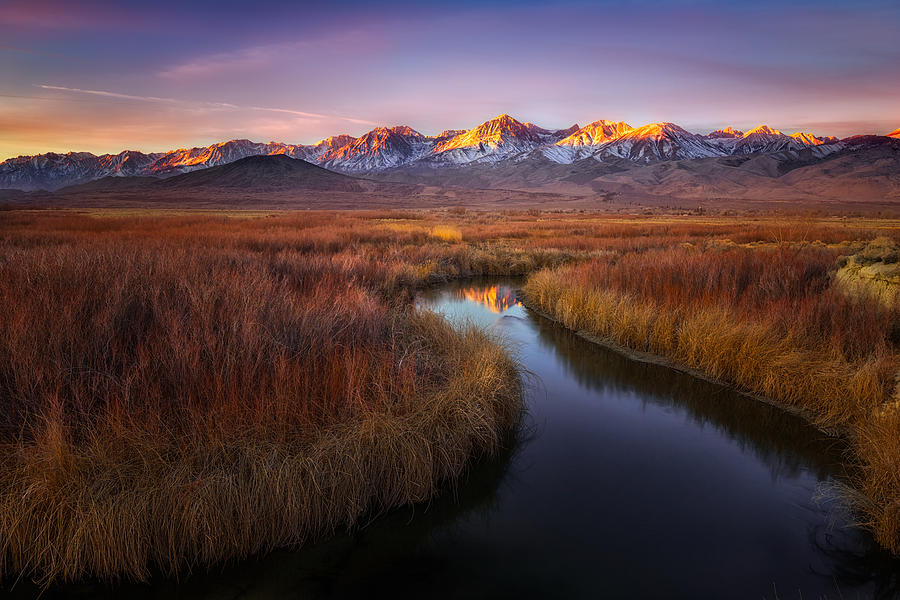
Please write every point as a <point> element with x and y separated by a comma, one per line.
<point>179,390</point>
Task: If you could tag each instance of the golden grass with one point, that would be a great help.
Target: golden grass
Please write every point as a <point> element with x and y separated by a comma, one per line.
<point>768,321</point>
<point>180,390</point>
<point>185,392</point>
<point>874,272</point>
<point>447,233</point>
<point>124,498</point>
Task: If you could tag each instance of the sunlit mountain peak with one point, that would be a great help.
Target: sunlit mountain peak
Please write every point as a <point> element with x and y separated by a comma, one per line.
<point>596,133</point>
<point>727,132</point>
<point>495,133</point>
<point>497,298</point>
<point>763,130</point>
<point>812,140</point>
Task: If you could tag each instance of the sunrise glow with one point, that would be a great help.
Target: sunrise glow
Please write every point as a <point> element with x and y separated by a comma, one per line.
<point>76,75</point>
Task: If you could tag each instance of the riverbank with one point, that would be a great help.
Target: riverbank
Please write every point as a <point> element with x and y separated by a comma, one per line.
<point>772,323</point>
<point>655,359</point>
<point>181,393</point>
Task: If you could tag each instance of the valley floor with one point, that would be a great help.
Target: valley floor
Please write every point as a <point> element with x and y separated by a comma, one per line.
<point>183,389</point>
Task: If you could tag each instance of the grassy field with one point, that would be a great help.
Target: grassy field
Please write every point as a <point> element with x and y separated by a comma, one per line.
<point>183,389</point>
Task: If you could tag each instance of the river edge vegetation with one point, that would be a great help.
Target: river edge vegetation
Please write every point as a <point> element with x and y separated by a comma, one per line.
<point>775,321</point>
<point>180,390</point>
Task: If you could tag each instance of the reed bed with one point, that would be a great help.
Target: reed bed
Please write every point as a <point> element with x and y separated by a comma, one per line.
<point>769,319</point>
<point>183,390</point>
<point>180,393</point>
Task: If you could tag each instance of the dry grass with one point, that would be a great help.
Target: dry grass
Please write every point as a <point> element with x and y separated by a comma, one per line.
<point>183,392</point>
<point>769,319</point>
<point>447,233</point>
<point>179,390</point>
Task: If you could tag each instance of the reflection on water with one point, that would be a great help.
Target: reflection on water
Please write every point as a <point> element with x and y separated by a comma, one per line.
<point>497,298</point>
<point>633,481</point>
<point>785,444</point>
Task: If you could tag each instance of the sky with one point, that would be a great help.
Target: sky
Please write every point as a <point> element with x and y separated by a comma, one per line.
<point>103,76</point>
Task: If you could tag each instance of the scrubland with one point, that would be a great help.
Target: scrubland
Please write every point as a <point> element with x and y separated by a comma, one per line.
<point>182,390</point>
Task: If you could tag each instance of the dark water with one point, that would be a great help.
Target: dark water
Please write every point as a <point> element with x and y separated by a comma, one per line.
<point>629,480</point>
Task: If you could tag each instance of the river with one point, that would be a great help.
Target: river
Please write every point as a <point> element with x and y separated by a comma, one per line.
<point>628,480</point>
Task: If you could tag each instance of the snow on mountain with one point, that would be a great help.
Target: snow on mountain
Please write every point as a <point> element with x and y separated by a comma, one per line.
<point>726,133</point>
<point>381,148</point>
<point>447,134</point>
<point>51,171</point>
<point>502,138</point>
<point>659,141</point>
<point>583,142</point>
<point>492,141</point>
<point>809,139</point>
<point>184,160</point>
<point>316,151</point>
<point>765,139</point>
<point>596,133</point>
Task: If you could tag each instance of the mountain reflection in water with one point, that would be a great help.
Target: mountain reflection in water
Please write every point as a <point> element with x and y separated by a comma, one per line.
<point>497,298</point>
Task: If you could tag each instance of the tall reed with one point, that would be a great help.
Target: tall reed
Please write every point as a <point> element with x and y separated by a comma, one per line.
<point>174,395</point>
<point>770,320</point>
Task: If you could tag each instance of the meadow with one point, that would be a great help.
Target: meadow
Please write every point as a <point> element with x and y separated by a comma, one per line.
<point>187,389</point>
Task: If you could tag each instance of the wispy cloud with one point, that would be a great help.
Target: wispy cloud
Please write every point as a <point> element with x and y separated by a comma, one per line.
<point>299,113</point>
<point>223,63</point>
<point>106,94</point>
<point>249,59</point>
<point>213,105</point>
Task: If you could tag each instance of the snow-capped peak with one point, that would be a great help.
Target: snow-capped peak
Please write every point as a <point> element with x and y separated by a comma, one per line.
<point>493,140</point>
<point>502,138</point>
<point>726,133</point>
<point>659,141</point>
<point>762,130</point>
<point>496,132</point>
<point>596,133</point>
<point>381,148</point>
<point>809,139</point>
<point>336,141</point>
<point>584,141</point>
<point>765,139</point>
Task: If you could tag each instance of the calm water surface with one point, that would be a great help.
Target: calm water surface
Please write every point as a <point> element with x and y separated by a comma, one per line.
<point>628,480</point>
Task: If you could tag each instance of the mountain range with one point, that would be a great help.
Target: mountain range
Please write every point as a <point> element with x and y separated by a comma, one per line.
<point>270,182</point>
<point>495,146</point>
